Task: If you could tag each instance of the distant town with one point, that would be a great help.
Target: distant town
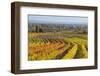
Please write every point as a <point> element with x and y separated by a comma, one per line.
<point>80,28</point>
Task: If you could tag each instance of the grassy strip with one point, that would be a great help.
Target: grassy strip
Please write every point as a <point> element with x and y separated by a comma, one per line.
<point>71,53</point>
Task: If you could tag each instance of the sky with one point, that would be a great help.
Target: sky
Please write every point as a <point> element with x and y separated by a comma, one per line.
<point>39,19</point>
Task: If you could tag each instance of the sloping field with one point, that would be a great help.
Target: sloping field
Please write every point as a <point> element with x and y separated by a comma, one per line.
<point>49,47</point>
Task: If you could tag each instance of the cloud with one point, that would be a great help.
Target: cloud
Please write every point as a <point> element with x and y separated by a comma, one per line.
<point>57,19</point>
